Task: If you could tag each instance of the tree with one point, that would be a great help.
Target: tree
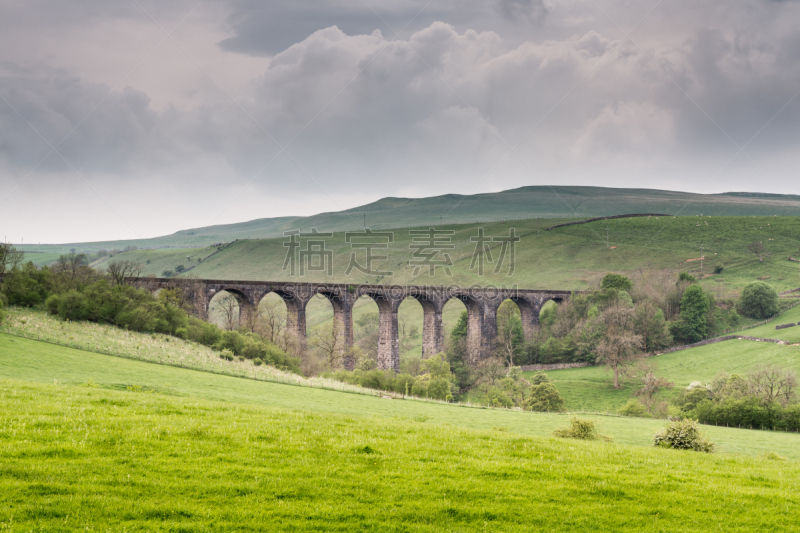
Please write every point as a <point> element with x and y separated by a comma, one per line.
<point>620,345</point>
<point>759,300</point>
<point>271,321</point>
<point>10,258</point>
<point>757,248</point>
<point>545,397</point>
<point>651,383</point>
<point>229,307</point>
<point>330,344</point>
<point>649,322</point>
<point>694,306</point>
<point>510,336</point>
<point>616,281</point>
<point>771,383</point>
<point>119,271</point>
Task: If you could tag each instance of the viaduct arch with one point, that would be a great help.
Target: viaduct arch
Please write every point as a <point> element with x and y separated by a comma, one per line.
<point>482,304</point>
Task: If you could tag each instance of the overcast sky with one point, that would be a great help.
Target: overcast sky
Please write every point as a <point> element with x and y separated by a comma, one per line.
<point>136,118</point>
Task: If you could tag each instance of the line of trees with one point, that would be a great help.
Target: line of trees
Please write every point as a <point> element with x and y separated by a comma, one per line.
<point>764,398</point>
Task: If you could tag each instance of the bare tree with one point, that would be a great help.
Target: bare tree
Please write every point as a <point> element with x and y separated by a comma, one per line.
<point>230,311</point>
<point>10,258</point>
<point>271,321</point>
<point>771,383</point>
<point>120,270</point>
<point>619,347</point>
<point>330,344</point>
<point>651,383</point>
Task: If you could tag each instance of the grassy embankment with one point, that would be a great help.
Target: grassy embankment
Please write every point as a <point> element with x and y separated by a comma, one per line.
<point>82,458</point>
<point>151,348</point>
<point>591,388</point>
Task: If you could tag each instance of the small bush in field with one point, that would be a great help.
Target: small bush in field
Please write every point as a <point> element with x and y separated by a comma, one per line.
<point>226,354</point>
<point>634,408</point>
<point>580,428</point>
<point>683,435</point>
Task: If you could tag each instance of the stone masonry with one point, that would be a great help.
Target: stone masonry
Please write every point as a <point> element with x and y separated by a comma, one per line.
<point>481,303</point>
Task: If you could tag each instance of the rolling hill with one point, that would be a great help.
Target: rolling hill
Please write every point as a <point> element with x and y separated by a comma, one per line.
<point>522,203</point>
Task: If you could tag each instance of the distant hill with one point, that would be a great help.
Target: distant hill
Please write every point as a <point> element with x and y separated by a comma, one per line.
<point>522,203</point>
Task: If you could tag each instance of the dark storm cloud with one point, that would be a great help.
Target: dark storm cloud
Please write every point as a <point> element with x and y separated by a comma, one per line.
<point>94,128</point>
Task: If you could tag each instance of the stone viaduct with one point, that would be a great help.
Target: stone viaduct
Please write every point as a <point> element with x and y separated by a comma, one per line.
<point>481,303</point>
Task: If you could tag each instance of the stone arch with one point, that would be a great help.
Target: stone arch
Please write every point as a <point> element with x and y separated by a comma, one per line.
<point>528,314</point>
<point>388,345</point>
<point>432,332</point>
<point>476,326</point>
<point>274,317</point>
<point>233,315</point>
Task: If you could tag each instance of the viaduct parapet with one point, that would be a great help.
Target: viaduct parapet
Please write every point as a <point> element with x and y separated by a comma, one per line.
<point>481,303</point>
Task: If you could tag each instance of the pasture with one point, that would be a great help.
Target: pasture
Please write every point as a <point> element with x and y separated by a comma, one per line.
<point>83,458</point>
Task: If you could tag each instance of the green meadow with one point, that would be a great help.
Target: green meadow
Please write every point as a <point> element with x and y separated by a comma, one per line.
<point>83,458</point>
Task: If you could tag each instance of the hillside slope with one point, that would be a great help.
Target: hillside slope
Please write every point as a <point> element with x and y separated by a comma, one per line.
<point>525,202</point>
<point>571,257</point>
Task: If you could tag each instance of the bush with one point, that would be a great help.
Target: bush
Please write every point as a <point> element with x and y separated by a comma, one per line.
<point>759,300</point>
<point>616,281</point>
<point>72,305</point>
<point>2,313</point>
<point>718,269</point>
<point>539,378</point>
<point>683,435</point>
<point>51,304</point>
<point>634,408</point>
<point>545,398</point>
<point>580,428</point>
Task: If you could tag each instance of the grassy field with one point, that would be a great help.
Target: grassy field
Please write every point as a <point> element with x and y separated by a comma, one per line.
<point>81,458</point>
<point>526,202</point>
<point>28,360</point>
<point>591,388</point>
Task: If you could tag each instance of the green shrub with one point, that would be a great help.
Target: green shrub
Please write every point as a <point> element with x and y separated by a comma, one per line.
<point>72,305</point>
<point>683,435</point>
<point>580,428</point>
<point>420,389</point>
<point>539,378</point>
<point>616,281</point>
<point>439,388</point>
<point>545,398</point>
<point>51,304</point>
<point>634,408</point>
<point>2,313</point>
<point>718,269</point>
<point>759,300</point>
